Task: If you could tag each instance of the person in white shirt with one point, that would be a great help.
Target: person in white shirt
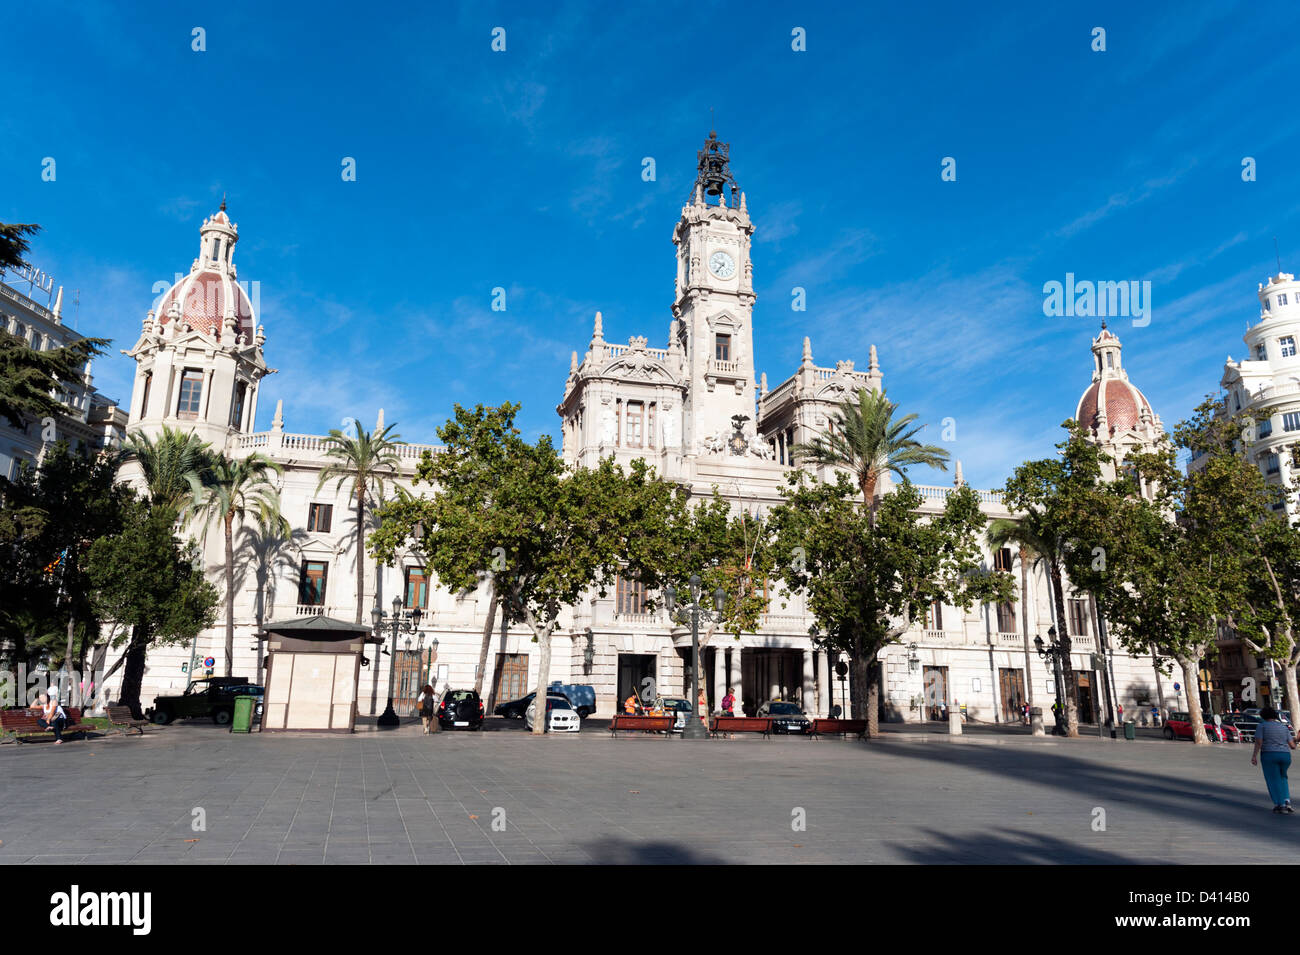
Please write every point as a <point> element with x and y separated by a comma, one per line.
<point>53,717</point>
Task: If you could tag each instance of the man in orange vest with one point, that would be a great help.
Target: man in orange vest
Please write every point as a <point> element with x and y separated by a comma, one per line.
<point>629,705</point>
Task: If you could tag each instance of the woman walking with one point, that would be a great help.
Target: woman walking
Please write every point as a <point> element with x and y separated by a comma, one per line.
<point>1273,745</point>
<point>426,710</point>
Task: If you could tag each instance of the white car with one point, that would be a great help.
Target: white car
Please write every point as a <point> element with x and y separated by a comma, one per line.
<point>563,718</point>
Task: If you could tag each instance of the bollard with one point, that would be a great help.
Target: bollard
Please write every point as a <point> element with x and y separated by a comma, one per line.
<point>954,721</point>
<point>1036,721</point>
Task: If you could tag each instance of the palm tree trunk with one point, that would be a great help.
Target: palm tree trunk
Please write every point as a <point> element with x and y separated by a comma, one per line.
<point>1024,625</point>
<point>487,636</point>
<point>1063,641</point>
<point>361,544</point>
<point>230,594</point>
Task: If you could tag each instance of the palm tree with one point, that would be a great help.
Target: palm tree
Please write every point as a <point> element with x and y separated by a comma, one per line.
<point>228,490</point>
<point>865,439</point>
<point>1031,533</point>
<point>365,459</point>
<point>168,463</point>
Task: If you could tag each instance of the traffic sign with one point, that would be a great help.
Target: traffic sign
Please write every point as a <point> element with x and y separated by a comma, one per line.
<point>212,661</point>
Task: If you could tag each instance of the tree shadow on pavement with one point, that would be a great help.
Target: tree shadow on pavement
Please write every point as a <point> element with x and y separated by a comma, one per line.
<point>1007,847</point>
<point>1181,801</point>
<point>621,852</point>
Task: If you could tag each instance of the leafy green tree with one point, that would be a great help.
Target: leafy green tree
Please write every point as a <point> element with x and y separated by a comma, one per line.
<point>149,584</point>
<point>29,378</point>
<point>231,491</point>
<point>865,440</point>
<point>545,533</point>
<point>14,244</point>
<point>365,459</point>
<point>866,578</point>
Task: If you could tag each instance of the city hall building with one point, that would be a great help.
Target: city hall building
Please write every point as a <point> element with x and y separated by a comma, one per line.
<point>693,407</point>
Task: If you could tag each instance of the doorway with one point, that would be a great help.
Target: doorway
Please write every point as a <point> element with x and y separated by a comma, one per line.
<point>1085,698</point>
<point>511,680</point>
<point>934,694</point>
<point>636,675</point>
<point>1012,684</point>
<point>409,679</point>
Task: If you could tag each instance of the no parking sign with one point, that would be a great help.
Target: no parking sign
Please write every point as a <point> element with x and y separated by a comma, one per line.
<point>209,662</point>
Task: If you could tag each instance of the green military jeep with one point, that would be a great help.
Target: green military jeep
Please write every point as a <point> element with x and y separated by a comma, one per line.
<point>212,696</point>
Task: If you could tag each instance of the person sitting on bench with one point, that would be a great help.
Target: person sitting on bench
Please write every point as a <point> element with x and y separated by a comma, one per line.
<point>52,716</point>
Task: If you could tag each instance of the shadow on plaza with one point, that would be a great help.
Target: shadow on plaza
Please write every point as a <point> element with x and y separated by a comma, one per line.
<point>621,852</point>
<point>1188,800</point>
<point>1007,847</point>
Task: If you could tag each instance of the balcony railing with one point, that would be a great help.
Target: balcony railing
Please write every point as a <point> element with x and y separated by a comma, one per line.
<point>931,492</point>
<point>311,610</point>
<point>319,444</point>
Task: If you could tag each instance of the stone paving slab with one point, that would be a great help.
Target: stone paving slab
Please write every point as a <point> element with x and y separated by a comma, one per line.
<point>403,798</point>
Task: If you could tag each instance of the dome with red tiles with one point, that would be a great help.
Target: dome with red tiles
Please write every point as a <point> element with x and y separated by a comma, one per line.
<point>204,298</point>
<point>1111,400</point>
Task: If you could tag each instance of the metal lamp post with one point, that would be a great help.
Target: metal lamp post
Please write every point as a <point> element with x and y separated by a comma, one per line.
<point>694,729</point>
<point>1052,650</point>
<point>395,625</point>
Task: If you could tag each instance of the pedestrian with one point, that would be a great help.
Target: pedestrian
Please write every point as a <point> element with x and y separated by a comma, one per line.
<point>729,702</point>
<point>703,704</point>
<point>1273,745</point>
<point>631,705</point>
<point>52,716</point>
<point>425,702</point>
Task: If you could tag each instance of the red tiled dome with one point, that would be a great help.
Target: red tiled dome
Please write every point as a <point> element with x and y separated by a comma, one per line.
<point>202,296</point>
<point>1123,404</point>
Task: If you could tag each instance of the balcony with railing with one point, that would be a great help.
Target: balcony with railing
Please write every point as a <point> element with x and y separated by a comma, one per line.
<point>282,443</point>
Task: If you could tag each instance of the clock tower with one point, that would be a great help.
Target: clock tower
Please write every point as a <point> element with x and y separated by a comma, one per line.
<point>714,303</point>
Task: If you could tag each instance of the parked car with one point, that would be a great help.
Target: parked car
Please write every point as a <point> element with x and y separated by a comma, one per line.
<point>786,717</point>
<point>207,696</point>
<point>514,710</point>
<point>581,695</point>
<point>460,709</point>
<point>561,717</point>
<point>1179,726</point>
<point>1245,725</point>
<point>679,706</point>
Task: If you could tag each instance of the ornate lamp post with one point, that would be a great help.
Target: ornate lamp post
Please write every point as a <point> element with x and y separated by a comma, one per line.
<point>694,729</point>
<point>1052,650</point>
<point>395,625</point>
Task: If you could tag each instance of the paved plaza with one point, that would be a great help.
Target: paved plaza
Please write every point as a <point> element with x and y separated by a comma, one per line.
<point>401,797</point>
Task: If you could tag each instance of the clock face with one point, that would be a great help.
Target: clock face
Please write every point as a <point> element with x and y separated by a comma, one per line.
<point>722,265</point>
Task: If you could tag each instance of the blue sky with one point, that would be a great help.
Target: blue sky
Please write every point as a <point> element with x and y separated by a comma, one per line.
<point>522,170</point>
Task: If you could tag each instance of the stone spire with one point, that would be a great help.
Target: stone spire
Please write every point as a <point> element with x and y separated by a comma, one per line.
<point>58,307</point>
<point>958,480</point>
<point>277,423</point>
<point>379,422</point>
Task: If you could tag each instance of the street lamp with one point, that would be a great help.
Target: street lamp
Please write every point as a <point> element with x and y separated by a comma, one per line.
<point>395,625</point>
<point>694,729</point>
<point>1052,650</point>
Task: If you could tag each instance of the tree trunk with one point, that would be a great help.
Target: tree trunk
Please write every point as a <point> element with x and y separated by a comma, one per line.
<point>230,596</point>
<point>361,544</point>
<point>1160,687</point>
<point>1067,668</point>
<point>487,636</point>
<point>68,653</point>
<point>1289,681</point>
<point>544,678</point>
<point>133,673</point>
<point>860,687</point>
<point>873,699</point>
<point>1024,624</point>
<point>1191,681</point>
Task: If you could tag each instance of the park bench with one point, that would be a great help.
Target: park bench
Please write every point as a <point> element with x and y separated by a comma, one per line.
<point>644,724</point>
<point>827,727</point>
<point>121,719</point>
<point>24,726</point>
<point>742,724</point>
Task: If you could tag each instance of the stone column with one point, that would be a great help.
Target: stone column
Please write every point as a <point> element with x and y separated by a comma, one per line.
<point>824,683</point>
<point>719,679</point>
<point>809,687</point>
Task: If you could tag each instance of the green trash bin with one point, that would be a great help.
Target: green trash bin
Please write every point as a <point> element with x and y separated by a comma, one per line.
<point>1130,730</point>
<point>242,722</point>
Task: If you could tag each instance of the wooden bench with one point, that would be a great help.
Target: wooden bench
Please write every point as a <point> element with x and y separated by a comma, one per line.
<point>24,725</point>
<point>643,724</point>
<point>742,724</point>
<point>826,727</point>
<point>120,718</point>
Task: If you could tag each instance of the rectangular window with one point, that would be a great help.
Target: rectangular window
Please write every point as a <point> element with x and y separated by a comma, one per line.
<point>319,517</point>
<point>650,426</point>
<point>191,392</point>
<point>417,588</point>
<point>1006,617</point>
<point>1281,299</point>
<point>1002,560</point>
<point>1291,421</point>
<point>1288,346</point>
<point>144,400</point>
<point>629,596</point>
<point>237,406</point>
<point>722,348</point>
<point>1261,353</point>
<point>934,616</point>
<point>633,424</point>
<point>1078,616</point>
<point>1265,428</point>
<point>311,591</point>
<point>1274,464</point>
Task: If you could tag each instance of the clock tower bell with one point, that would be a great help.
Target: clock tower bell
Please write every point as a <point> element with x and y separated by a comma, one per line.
<point>714,302</point>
